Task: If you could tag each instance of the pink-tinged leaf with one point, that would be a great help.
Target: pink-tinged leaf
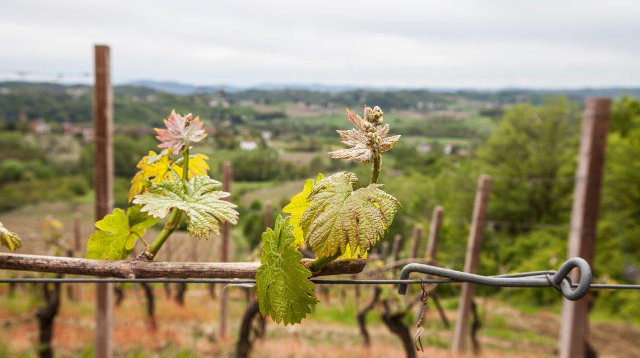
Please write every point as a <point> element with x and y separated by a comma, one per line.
<point>364,139</point>
<point>181,130</point>
<point>357,121</point>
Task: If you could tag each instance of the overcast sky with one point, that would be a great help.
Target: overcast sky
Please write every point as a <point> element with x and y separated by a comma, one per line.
<point>446,43</point>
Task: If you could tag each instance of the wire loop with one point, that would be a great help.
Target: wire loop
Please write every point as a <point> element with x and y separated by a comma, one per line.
<point>557,279</point>
<point>561,277</point>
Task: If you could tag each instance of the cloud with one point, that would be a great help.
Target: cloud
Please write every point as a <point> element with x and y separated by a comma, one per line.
<point>401,43</point>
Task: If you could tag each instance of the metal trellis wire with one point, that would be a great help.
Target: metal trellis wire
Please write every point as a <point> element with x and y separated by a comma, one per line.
<point>556,279</point>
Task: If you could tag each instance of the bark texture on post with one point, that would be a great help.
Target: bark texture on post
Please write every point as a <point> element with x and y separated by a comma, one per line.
<point>395,251</point>
<point>224,251</point>
<point>434,233</point>
<point>384,251</point>
<point>584,217</point>
<point>75,250</point>
<point>415,246</point>
<point>103,186</point>
<point>432,253</point>
<point>471,262</point>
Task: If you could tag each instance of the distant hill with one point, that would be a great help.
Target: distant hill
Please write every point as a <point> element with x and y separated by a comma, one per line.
<point>164,86</point>
<point>141,101</point>
<point>180,88</point>
<point>184,89</point>
<point>187,89</point>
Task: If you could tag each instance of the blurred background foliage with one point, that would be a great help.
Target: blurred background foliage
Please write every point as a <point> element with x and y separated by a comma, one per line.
<point>527,142</point>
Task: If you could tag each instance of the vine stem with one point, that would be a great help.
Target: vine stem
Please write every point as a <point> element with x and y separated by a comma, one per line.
<point>321,262</point>
<point>375,167</point>
<point>176,214</point>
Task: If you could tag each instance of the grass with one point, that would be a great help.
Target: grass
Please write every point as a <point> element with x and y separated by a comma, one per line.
<point>241,188</point>
<point>479,122</point>
<point>273,192</point>
<point>345,312</point>
<point>440,140</point>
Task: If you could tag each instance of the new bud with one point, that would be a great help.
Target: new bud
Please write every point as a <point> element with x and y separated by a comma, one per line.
<point>373,115</point>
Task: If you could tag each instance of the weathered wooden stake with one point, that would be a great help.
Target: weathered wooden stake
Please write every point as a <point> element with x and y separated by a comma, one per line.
<point>471,262</point>
<point>77,232</point>
<point>434,233</point>
<point>77,248</point>
<point>384,251</point>
<point>431,255</point>
<point>417,237</point>
<point>103,187</point>
<point>224,251</point>
<point>584,217</point>
<point>268,220</point>
<point>395,250</point>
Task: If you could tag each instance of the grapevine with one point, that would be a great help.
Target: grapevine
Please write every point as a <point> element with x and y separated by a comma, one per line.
<point>330,218</point>
<point>173,184</point>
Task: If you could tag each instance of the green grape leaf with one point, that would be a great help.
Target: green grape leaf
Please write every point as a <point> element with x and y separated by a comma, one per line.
<point>339,216</point>
<point>199,199</point>
<point>153,167</point>
<point>297,206</point>
<point>282,281</point>
<point>117,234</point>
<point>156,168</point>
<point>9,239</point>
<point>197,165</point>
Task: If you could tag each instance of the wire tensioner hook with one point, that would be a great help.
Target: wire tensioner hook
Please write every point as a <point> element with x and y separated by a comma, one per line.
<point>557,279</point>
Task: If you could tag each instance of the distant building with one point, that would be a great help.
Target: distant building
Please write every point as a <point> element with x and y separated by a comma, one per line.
<point>39,126</point>
<point>76,92</point>
<point>248,145</point>
<point>219,102</point>
<point>266,135</point>
<point>247,102</point>
<point>449,149</point>
<point>87,134</point>
<point>424,148</point>
<point>69,128</point>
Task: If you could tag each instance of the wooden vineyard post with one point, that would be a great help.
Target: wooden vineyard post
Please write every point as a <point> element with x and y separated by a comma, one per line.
<point>77,249</point>
<point>395,250</point>
<point>431,256</point>
<point>224,251</point>
<point>268,220</point>
<point>77,232</point>
<point>415,246</point>
<point>471,262</point>
<point>103,187</point>
<point>384,251</point>
<point>434,233</point>
<point>584,217</point>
